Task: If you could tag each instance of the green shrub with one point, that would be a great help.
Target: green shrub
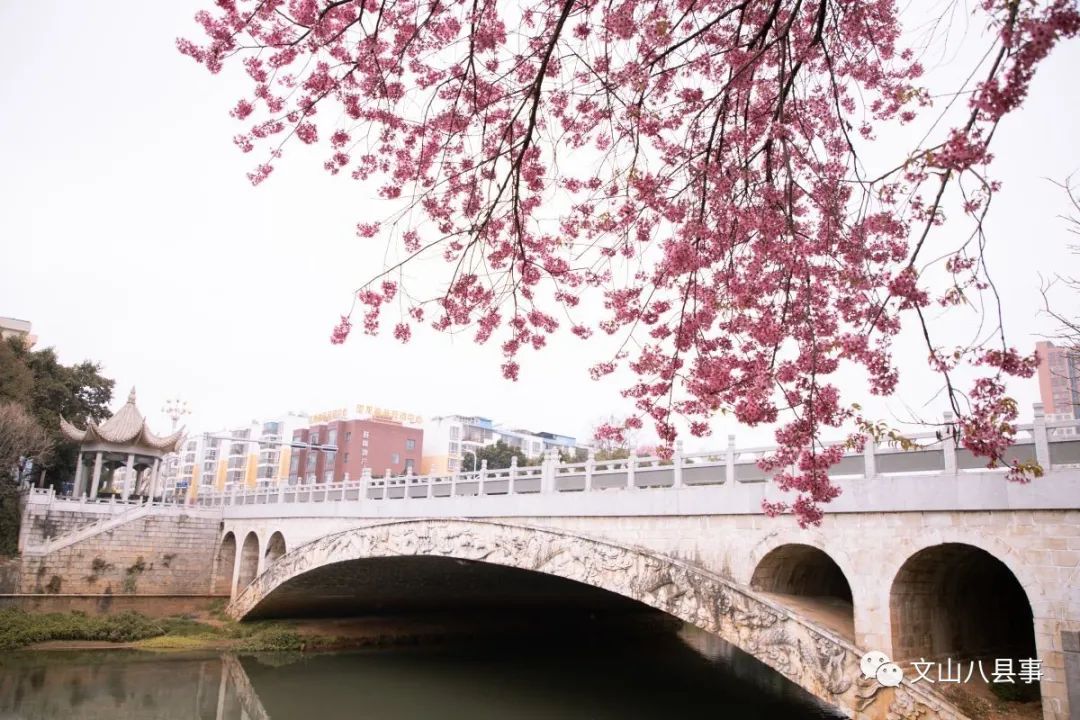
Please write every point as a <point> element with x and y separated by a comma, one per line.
<point>272,639</point>
<point>19,628</point>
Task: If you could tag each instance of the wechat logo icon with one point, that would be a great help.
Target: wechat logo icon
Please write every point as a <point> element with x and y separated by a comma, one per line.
<point>876,665</point>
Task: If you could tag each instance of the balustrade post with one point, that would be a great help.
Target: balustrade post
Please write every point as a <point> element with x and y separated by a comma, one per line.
<point>481,477</point>
<point>407,479</point>
<point>590,468</point>
<point>453,483</point>
<point>386,483</point>
<point>282,483</point>
<point>1041,437</point>
<point>513,475</point>
<point>232,494</point>
<point>553,463</point>
<point>631,467</point>
<point>677,459</point>
<point>870,459</point>
<point>949,445</point>
<point>546,473</point>
<point>729,474</point>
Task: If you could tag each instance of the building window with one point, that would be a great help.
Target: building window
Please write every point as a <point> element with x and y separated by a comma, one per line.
<point>363,453</point>
<point>364,443</point>
<point>345,458</point>
<point>409,465</point>
<point>331,437</point>
<point>410,444</point>
<point>348,437</point>
<point>395,459</point>
<point>366,434</point>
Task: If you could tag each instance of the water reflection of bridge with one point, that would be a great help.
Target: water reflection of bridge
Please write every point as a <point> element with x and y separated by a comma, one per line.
<point>235,686</point>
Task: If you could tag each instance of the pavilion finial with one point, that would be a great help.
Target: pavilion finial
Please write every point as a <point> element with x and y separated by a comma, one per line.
<point>131,397</point>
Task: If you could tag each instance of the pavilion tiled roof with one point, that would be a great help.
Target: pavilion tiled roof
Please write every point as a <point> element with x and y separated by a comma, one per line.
<point>126,427</point>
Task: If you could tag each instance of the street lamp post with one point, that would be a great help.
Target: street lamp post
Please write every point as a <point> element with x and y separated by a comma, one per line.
<point>475,457</point>
<point>174,409</point>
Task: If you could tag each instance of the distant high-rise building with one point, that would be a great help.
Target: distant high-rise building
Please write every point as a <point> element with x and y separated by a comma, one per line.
<point>11,327</point>
<point>251,455</point>
<point>340,445</point>
<point>449,438</point>
<point>1059,379</point>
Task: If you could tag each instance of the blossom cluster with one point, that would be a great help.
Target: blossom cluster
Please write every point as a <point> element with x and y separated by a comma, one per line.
<point>692,162</point>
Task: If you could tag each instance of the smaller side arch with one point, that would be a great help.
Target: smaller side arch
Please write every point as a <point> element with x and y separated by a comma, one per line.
<point>798,569</point>
<point>224,565</point>
<point>249,561</point>
<point>808,579</point>
<point>959,601</point>
<point>275,547</point>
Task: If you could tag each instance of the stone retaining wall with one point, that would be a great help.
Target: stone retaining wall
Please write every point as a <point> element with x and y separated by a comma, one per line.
<point>149,605</point>
<point>155,554</point>
<point>41,523</point>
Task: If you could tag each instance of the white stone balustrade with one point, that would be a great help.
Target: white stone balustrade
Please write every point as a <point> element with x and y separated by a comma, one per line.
<point>936,476</point>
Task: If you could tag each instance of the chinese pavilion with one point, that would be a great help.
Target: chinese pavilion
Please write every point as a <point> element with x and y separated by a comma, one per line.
<point>126,454</point>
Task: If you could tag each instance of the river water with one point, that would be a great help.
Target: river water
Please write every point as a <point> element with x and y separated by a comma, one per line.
<point>681,673</point>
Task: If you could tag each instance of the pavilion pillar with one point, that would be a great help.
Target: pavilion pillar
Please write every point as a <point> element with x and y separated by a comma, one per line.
<point>78,490</point>
<point>128,479</point>
<point>97,476</point>
<point>154,478</point>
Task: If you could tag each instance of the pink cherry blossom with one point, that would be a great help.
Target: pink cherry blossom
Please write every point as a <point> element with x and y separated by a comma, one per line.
<point>693,167</point>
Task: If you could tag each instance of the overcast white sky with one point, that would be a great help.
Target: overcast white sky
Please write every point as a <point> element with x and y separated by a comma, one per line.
<point>130,235</point>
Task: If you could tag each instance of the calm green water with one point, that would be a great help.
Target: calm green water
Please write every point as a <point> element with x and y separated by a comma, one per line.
<point>680,674</point>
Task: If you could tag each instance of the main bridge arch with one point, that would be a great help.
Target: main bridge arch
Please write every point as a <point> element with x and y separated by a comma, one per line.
<point>814,658</point>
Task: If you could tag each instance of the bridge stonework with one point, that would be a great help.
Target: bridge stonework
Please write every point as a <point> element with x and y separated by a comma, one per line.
<point>928,553</point>
<point>1041,548</point>
<point>818,661</point>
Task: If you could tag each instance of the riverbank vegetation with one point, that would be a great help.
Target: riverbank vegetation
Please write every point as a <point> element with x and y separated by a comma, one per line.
<point>19,629</point>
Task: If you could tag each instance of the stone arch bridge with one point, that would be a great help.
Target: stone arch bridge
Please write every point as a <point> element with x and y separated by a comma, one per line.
<point>925,555</point>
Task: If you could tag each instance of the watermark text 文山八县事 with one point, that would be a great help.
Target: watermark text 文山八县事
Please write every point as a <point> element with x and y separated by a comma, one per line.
<point>877,665</point>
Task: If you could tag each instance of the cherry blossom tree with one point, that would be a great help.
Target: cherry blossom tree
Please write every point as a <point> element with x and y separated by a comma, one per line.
<point>698,166</point>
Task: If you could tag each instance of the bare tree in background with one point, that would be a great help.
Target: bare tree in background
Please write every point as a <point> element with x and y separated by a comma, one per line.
<point>1067,334</point>
<point>23,442</point>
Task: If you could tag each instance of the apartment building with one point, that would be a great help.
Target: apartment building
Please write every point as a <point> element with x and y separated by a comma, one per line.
<point>249,455</point>
<point>449,438</point>
<point>342,448</point>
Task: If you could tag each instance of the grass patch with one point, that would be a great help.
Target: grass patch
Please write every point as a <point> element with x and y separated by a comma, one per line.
<point>19,628</point>
<point>273,639</point>
<point>178,642</point>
